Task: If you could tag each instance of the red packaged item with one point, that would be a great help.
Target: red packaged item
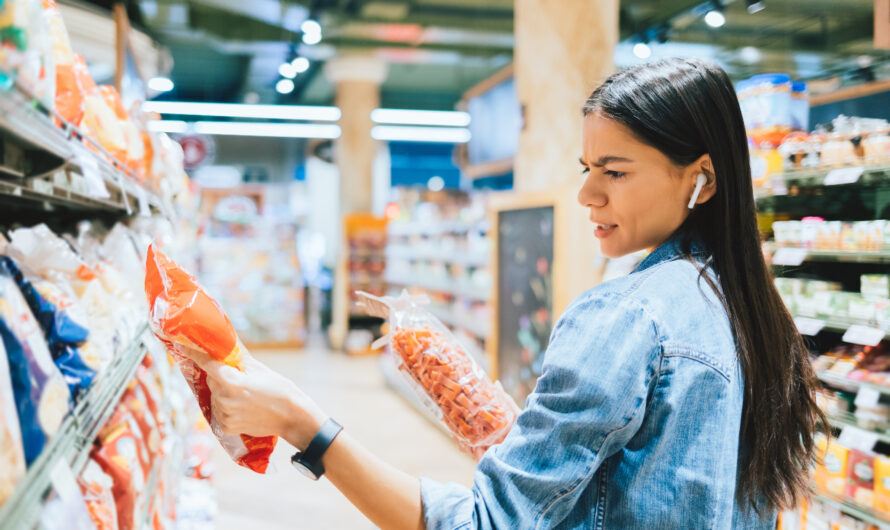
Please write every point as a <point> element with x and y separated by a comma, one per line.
<point>119,455</point>
<point>96,487</point>
<point>135,401</point>
<point>196,330</point>
<point>477,411</point>
<point>861,477</point>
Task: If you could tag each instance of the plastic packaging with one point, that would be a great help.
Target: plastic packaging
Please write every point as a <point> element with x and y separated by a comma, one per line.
<point>41,395</point>
<point>766,103</point>
<point>119,454</point>
<point>195,329</point>
<point>96,486</point>
<point>477,411</point>
<point>25,49</point>
<point>135,149</point>
<point>63,329</point>
<point>42,253</point>
<point>12,456</point>
<point>69,92</point>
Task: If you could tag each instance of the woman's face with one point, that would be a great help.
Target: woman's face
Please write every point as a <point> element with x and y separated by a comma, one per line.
<point>636,196</point>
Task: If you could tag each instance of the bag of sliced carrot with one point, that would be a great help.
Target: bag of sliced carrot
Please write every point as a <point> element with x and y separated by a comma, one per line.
<point>476,410</point>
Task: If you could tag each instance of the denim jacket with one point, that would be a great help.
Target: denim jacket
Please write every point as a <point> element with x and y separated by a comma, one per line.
<point>634,422</point>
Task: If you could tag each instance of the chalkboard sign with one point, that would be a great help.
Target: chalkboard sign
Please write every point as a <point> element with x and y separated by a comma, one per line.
<point>524,313</point>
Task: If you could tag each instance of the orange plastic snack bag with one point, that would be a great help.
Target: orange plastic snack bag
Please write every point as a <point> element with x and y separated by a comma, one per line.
<point>477,411</point>
<point>194,328</point>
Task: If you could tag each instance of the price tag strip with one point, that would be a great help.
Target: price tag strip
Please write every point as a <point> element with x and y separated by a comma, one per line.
<point>809,326</point>
<point>845,175</point>
<point>856,438</point>
<point>864,335</point>
<point>89,168</point>
<point>790,256</point>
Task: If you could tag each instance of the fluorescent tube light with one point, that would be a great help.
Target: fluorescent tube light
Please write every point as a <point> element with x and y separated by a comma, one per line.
<point>453,135</point>
<point>168,126</point>
<point>445,118</point>
<point>239,110</point>
<point>276,130</point>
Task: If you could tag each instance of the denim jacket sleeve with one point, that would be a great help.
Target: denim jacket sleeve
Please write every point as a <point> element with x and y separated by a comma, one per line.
<point>602,360</point>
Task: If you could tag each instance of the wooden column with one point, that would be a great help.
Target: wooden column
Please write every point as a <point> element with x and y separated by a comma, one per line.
<point>564,49</point>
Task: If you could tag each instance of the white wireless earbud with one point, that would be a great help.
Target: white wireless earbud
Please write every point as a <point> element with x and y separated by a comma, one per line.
<point>699,184</point>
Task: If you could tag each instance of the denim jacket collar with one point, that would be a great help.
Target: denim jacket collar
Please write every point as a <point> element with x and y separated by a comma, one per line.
<point>673,249</point>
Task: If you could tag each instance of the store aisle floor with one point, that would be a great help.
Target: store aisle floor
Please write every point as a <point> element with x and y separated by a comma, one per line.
<point>353,391</point>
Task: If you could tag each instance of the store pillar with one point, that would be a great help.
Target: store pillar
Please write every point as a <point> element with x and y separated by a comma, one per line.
<point>357,80</point>
<point>564,49</point>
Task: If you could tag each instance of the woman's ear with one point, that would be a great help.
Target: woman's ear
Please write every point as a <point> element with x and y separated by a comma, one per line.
<point>703,166</point>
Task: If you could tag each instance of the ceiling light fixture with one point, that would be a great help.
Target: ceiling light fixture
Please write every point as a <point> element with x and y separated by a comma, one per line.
<point>311,30</point>
<point>642,50</point>
<point>237,110</point>
<point>160,84</point>
<point>287,70</point>
<point>168,126</point>
<point>451,135</point>
<point>443,118</point>
<point>284,86</point>
<point>300,64</point>
<point>754,6</point>
<point>271,130</point>
<point>715,18</point>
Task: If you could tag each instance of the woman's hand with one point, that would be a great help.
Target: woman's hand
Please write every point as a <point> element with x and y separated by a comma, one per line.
<point>260,402</point>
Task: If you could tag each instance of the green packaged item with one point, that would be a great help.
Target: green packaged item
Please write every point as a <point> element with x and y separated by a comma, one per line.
<point>875,285</point>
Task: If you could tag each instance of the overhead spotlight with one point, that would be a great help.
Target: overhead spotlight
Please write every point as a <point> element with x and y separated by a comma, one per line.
<point>287,70</point>
<point>436,183</point>
<point>284,86</point>
<point>750,55</point>
<point>160,84</point>
<point>715,18</point>
<point>754,6</point>
<point>642,50</point>
<point>300,64</point>
<point>311,31</point>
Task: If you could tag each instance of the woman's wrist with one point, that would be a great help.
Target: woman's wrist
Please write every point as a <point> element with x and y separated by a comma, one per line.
<point>303,422</point>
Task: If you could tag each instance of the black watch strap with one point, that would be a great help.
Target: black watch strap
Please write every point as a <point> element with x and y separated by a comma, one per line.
<point>311,457</point>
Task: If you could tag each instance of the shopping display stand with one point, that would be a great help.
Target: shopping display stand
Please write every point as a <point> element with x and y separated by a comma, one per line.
<point>42,179</point>
<point>799,191</point>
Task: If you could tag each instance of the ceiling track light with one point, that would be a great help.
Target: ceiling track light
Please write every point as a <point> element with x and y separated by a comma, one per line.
<point>754,6</point>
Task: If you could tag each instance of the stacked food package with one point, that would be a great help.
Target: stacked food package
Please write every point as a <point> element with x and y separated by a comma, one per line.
<point>69,317</point>
<point>36,54</point>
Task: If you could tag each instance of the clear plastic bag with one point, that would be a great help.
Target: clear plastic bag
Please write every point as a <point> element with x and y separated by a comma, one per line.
<point>477,411</point>
<point>96,486</point>
<point>195,330</point>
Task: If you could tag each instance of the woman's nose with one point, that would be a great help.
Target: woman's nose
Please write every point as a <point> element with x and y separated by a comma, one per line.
<point>589,197</point>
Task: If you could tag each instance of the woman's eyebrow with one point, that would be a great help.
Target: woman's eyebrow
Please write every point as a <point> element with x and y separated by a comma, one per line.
<point>610,159</point>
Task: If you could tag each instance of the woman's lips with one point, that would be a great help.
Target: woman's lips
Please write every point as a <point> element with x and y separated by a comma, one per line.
<point>604,230</point>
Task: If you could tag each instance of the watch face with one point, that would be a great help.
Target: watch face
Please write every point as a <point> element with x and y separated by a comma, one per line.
<point>305,471</point>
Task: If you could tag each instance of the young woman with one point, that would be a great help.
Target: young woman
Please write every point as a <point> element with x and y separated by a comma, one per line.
<point>680,396</point>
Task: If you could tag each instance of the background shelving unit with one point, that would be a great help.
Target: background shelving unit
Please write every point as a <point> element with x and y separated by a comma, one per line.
<point>824,192</point>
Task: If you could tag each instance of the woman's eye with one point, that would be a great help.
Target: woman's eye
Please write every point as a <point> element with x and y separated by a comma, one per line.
<point>585,171</point>
<point>614,174</point>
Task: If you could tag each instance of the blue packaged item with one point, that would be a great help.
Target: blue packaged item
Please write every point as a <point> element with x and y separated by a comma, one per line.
<point>42,397</point>
<point>55,312</point>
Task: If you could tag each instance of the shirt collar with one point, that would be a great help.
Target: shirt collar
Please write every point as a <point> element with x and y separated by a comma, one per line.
<point>673,249</point>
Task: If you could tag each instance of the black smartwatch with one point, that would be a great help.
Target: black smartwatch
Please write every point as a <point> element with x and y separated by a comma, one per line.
<point>308,462</point>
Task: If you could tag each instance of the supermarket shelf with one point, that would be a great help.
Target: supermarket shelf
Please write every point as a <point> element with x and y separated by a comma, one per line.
<point>822,177</point>
<point>847,419</point>
<point>474,327</point>
<point>860,512</point>
<point>440,287</point>
<point>850,384</point>
<point>404,252</point>
<point>74,440</point>
<point>843,324</point>
<point>418,229</point>
<point>846,256</point>
<point>48,150</point>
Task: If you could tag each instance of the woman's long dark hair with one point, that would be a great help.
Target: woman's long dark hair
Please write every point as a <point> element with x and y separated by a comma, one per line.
<point>686,108</point>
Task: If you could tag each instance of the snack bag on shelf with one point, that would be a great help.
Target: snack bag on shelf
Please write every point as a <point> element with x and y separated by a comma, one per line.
<point>196,330</point>
<point>96,486</point>
<point>882,484</point>
<point>831,471</point>
<point>12,456</point>
<point>861,477</point>
<point>135,149</point>
<point>135,401</point>
<point>25,49</point>
<point>477,411</point>
<point>69,93</point>
<point>62,325</point>
<point>43,254</point>
<point>41,395</point>
<point>99,120</point>
<point>119,453</point>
